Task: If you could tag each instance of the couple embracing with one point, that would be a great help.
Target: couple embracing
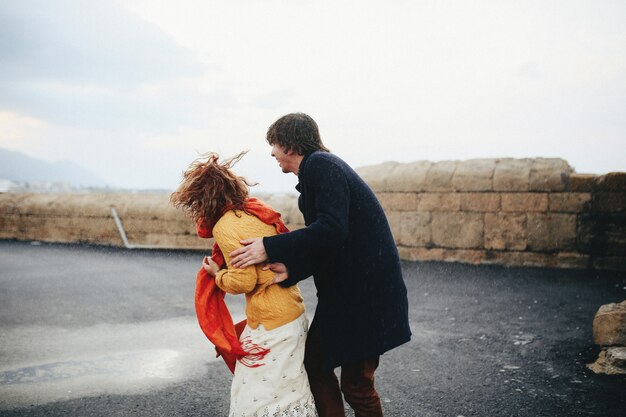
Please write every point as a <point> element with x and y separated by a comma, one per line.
<point>282,366</point>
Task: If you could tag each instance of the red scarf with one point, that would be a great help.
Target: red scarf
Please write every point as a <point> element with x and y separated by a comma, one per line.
<point>213,315</point>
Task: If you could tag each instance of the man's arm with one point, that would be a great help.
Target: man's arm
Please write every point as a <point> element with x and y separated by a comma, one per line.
<point>327,186</point>
<point>304,249</point>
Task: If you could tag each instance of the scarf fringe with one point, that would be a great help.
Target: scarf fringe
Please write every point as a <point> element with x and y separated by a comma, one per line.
<point>254,353</point>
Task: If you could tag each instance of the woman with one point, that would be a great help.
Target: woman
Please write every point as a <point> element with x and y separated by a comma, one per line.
<point>269,378</point>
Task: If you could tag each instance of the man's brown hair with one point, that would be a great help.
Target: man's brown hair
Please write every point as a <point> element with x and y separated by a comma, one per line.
<point>297,132</point>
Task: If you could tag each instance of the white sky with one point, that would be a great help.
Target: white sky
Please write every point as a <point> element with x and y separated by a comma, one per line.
<point>134,89</point>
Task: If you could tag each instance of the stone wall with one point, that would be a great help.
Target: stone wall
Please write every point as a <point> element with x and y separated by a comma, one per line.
<point>147,219</point>
<point>520,212</point>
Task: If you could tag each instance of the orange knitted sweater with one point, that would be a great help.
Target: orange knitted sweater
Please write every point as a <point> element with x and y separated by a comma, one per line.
<point>270,305</point>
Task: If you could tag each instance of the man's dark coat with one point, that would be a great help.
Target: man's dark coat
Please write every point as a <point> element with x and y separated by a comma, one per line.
<point>347,246</point>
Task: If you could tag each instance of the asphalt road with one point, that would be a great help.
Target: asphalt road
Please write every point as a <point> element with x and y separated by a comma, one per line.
<point>92,331</point>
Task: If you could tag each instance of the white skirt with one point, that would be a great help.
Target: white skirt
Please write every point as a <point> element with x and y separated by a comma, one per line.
<point>280,387</point>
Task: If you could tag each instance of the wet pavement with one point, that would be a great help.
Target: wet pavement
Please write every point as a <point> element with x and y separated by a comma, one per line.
<point>93,331</point>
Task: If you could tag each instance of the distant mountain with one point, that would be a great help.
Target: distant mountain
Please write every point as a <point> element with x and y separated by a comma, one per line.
<point>19,167</point>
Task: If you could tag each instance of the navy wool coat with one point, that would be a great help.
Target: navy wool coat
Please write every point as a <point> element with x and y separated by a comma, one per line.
<point>347,246</point>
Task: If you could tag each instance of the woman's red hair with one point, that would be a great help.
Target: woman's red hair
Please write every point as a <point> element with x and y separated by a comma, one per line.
<point>209,188</point>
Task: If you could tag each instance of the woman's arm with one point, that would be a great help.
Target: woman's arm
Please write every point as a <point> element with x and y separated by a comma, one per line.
<point>210,266</point>
<point>233,280</point>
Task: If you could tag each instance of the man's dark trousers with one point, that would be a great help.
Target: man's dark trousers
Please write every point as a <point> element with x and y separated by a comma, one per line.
<point>357,383</point>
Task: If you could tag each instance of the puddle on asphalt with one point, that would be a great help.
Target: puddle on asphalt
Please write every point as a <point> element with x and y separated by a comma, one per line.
<point>44,364</point>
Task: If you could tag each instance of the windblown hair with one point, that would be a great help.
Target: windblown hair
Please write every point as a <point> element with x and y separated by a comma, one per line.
<point>297,132</point>
<point>209,188</point>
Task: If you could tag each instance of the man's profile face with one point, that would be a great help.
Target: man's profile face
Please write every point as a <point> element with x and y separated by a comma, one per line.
<point>287,161</point>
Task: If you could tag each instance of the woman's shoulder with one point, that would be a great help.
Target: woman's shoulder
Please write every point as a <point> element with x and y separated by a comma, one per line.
<point>234,217</point>
<point>239,223</point>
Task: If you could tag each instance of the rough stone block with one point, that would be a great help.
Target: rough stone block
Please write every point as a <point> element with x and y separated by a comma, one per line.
<point>611,361</point>
<point>439,202</point>
<point>513,258</point>
<point>582,183</point>
<point>292,214</point>
<point>441,254</point>
<point>61,226</point>
<point>573,260</point>
<point>395,224</point>
<point>9,226</point>
<point>59,229</point>
<point>51,205</point>
<point>155,226</point>
<point>549,174</point>
<point>32,204</point>
<point>155,239</point>
<point>512,174</point>
<point>525,202</point>
<point>415,229</point>
<point>474,175</point>
<point>613,181</point>
<point>24,224</point>
<point>193,242</point>
<point>505,231</point>
<point>612,202</point>
<point>165,240</point>
<point>610,263</point>
<point>149,206</point>
<point>616,357</point>
<point>439,176</point>
<point>285,204</point>
<point>569,202</point>
<point>480,202</point>
<point>10,202</point>
<point>551,232</point>
<point>585,232</point>
<point>105,235</point>
<point>602,234</point>
<point>609,325</point>
<point>398,201</point>
<point>409,177</point>
<point>376,176</point>
<point>457,230</point>
<point>612,234</point>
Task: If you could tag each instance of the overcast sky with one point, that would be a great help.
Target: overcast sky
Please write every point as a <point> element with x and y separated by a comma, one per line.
<point>134,89</point>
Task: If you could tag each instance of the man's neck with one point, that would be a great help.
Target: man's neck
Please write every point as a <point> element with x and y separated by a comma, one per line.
<point>298,161</point>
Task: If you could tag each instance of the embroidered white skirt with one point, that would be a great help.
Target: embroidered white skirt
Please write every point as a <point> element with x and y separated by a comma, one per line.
<point>280,386</point>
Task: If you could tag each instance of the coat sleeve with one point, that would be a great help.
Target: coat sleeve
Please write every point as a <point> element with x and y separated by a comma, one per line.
<point>326,186</point>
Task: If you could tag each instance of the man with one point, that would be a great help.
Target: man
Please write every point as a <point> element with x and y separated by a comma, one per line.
<point>347,246</point>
